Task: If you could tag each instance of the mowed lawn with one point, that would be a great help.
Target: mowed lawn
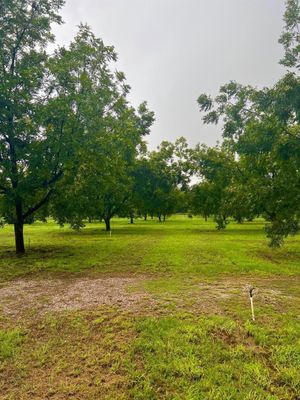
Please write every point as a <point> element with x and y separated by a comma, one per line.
<point>152,311</point>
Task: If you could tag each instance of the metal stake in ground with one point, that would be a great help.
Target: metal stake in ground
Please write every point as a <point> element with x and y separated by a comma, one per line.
<point>251,302</point>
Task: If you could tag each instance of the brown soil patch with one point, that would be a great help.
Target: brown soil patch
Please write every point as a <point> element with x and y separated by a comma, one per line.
<point>81,293</point>
<point>24,296</point>
<point>216,296</point>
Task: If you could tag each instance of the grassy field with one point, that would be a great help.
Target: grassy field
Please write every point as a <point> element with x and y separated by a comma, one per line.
<point>154,311</point>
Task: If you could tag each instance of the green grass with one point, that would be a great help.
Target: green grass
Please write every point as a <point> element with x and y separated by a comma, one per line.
<point>196,342</point>
<point>215,358</point>
<point>10,341</point>
<point>180,245</point>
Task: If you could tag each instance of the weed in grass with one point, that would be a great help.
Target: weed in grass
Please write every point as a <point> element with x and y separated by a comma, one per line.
<point>10,341</point>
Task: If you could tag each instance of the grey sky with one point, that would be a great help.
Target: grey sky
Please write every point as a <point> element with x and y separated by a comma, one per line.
<point>173,50</point>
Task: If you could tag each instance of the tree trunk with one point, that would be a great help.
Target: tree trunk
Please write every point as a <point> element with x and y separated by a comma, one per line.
<point>19,238</point>
<point>164,218</point>
<point>205,218</point>
<point>131,219</point>
<point>159,217</point>
<point>145,217</point>
<point>18,227</point>
<point>107,224</point>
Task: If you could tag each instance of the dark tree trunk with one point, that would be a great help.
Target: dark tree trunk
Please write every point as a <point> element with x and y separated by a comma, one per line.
<point>145,217</point>
<point>131,220</point>
<point>159,217</point>
<point>205,218</point>
<point>19,238</point>
<point>18,227</point>
<point>164,218</point>
<point>107,224</point>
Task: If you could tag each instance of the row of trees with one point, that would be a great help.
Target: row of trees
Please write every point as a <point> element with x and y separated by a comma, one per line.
<point>71,145</point>
<point>124,181</point>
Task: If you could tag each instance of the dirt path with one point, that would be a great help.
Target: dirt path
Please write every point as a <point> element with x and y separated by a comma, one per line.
<point>70,294</point>
<point>56,295</point>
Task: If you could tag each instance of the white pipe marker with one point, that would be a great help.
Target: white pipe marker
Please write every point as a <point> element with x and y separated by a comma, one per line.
<point>251,302</point>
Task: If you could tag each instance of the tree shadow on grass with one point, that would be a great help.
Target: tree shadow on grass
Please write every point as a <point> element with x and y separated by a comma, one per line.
<point>279,256</point>
<point>38,252</point>
<point>101,233</point>
<point>155,231</point>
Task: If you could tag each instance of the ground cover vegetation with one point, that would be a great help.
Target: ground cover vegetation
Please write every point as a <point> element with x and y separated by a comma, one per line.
<point>154,311</point>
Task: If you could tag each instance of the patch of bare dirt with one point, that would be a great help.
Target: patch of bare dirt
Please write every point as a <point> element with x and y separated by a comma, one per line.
<point>73,294</point>
<point>276,292</point>
<point>83,293</point>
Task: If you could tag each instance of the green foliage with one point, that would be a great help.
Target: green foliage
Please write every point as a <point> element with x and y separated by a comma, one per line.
<point>69,135</point>
<point>261,130</point>
<point>202,200</point>
<point>113,133</point>
<point>30,160</point>
<point>161,178</point>
<point>66,127</point>
<point>218,192</point>
<point>290,37</point>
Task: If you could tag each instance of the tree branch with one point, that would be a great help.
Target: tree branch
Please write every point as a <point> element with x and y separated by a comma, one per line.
<point>54,178</point>
<point>38,205</point>
<point>46,184</point>
<point>19,40</point>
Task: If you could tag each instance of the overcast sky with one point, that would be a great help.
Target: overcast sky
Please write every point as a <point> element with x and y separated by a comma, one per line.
<point>173,50</point>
